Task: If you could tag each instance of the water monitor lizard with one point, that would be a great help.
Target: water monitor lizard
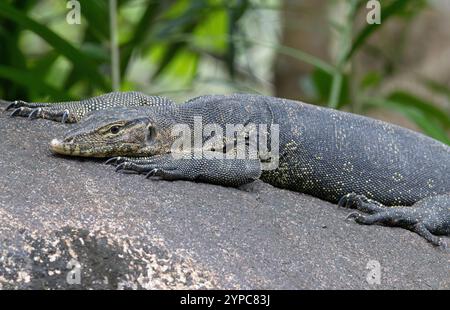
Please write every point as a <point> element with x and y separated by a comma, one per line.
<point>340,157</point>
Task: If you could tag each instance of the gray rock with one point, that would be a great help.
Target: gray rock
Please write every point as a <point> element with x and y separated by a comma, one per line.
<point>75,223</point>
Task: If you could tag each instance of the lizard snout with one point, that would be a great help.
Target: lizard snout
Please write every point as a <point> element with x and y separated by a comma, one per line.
<point>56,146</point>
<point>63,147</point>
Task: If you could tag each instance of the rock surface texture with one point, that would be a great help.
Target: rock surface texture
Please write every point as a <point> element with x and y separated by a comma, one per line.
<point>76,224</point>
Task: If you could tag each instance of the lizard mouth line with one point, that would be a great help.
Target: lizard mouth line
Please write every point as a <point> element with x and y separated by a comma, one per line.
<point>88,149</point>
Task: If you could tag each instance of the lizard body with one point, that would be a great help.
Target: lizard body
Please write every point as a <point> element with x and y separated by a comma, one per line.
<point>336,156</point>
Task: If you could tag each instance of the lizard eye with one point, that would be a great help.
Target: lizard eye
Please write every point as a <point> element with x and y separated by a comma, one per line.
<point>114,129</point>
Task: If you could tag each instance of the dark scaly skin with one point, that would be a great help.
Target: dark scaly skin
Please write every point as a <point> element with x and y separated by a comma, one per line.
<point>96,136</point>
<point>74,111</point>
<point>427,216</point>
<point>325,153</point>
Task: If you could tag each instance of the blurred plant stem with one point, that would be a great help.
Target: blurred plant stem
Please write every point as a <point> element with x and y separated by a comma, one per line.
<point>295,53</point>
<point>345,31</point>
<point>114,46</point>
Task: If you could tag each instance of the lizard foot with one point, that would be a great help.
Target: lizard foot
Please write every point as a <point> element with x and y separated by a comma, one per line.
<point>52,113</point>
<point>18,104</point>
<point>74,111</point>
<point>151,167</point>
<point>428,217</point>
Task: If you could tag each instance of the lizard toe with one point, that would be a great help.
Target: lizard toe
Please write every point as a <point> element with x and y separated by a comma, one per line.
<point>17,112</point>
<point>353,215</point>
<point>11,106</point>
<point>35,113</point>
<point>15,104</point>
<point>347,201</point>
<point>122,166</point>
<point>152,173</point>
<point>114,161</point>
<point>65,116</point>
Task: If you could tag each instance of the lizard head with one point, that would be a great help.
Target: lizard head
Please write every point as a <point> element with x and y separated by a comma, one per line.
<point>118,132</point>
<point>106,133</point>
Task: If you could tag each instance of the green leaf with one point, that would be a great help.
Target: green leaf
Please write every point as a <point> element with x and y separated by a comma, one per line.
<point>294,53</point>
<point>371,79</point>
<point>427,108</point>
<point>169,54</point>
<point>437,87</point>
<point>24,78</point>
<point>426,122</point>
<point>142,29</point>
<point>42,66</point>
<point>387,11</point>
<point>323,82</point>
<point>185,25</point>
<point>96,13</point>
<point>428,127</point>
<point>182,68</point>
<point>211,33</point>
<point>13,56</point>
<point>82,63</point>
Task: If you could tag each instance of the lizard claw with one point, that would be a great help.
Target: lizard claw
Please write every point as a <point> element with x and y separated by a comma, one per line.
<point>344,201</point>
<point>351,200</point>
<point>65,116</point>
<point>152,173</point>
<point>16,112</point>
<point>35,113</point>
<point>352,215</point>
<point>120,167</point>
<point>128,167</point>
<point>14,104</point>
<point>114,161</point>
<point>11,105</point>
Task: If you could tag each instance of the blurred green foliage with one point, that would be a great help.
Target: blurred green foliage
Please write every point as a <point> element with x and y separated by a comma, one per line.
<point>172,34</point>
<point>44,58</point>
<point>336,88</point>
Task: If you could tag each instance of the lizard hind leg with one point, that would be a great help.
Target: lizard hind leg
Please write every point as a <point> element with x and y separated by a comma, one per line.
<point>428,217</point>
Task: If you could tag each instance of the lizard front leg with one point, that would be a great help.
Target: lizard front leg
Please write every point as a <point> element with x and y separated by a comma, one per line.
<point>428,217</point>
<point>228,172</point>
